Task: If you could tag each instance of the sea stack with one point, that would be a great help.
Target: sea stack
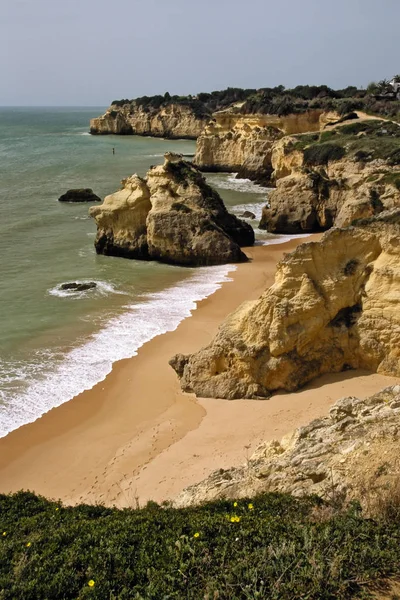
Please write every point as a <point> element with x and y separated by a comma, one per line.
<point>172,216</point>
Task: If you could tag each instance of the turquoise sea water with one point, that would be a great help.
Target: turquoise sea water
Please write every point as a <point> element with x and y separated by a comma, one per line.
<point>55,344</point>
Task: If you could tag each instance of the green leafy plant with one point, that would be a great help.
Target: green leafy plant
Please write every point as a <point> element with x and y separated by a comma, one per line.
<point>272,546</point>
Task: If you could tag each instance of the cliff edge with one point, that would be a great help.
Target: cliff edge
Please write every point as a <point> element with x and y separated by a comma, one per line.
<point>243,143</point>
<point>169,120</point>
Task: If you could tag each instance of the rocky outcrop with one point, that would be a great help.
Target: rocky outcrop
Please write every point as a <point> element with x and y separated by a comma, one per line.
<point>121,220</point>
<point>240,143</point>
<point>345,174</point>
<point>79,195</point>
<point>333,306</point>
<point>172,216</point>
<point>172,121</point>
<point>78,286</point>
<point>353,451</point>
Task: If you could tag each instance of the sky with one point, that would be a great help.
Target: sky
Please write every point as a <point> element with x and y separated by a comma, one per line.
<point>90,52</point>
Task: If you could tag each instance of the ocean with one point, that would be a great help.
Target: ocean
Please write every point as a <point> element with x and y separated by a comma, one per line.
<point>55,344</point>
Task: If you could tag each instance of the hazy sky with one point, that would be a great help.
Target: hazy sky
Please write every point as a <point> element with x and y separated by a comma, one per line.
<point>89,52</point>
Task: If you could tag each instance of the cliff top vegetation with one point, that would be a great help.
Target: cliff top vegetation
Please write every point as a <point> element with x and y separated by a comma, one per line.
<point>272,546</point>
<point>362,141</point>
<point>277,100</point>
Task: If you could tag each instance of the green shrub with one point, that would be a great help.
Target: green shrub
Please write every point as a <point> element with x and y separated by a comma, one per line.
<point>392,178</point>
<point>272,547</point>
<point>321,154</point>
<point>362,156</point>
<point>394,157</point>
<point>178,206</point>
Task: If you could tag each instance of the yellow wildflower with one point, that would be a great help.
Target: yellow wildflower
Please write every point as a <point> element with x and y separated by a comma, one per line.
<point>57,508</point>
<point>250,506</point>
<point>28,544</point>
<point>235,504</point>
<point>196,535</point>
<point>4,533</point>
<point>235,519</point>
<point>91,583</point>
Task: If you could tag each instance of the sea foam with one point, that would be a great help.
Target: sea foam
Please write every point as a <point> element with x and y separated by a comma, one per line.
<point>103,288</point>
<point>57,377</point>
<point>231,182</point>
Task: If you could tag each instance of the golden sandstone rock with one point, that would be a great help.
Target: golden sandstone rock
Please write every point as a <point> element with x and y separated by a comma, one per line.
<point>333,178</point>
<point>333,306</point>
<point>172,216</point>
<point>244,143</point>
<point>172,121</point>
<point>121,220</point>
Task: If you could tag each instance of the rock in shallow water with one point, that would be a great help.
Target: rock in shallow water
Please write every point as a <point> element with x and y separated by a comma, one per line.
<point>75,286</point>
<point>247,215</point>
<point>79,195</point>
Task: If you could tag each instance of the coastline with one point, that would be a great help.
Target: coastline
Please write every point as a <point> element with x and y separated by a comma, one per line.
<point>135,436</point>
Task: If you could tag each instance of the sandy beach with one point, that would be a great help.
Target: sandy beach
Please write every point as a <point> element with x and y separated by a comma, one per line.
<point>135,436</point>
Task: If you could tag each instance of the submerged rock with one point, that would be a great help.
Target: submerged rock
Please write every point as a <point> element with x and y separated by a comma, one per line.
<point>172,216</point>
<point>78,287</point>
<point>79,195</point>
<point>333,306</point>
<point>247,214</point>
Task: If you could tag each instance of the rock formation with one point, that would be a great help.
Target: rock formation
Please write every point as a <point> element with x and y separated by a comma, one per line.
<point>352,451</point>
<point>172,216</point>
<point>333,306</point>
<point>79,195</point>
<point>241,143</point>
<point>78,286</point>
<point>171,121</point>
<point>344,174</point>
<point>121,220</point>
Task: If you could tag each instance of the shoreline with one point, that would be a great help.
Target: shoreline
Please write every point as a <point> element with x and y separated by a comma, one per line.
<point>136,436</point>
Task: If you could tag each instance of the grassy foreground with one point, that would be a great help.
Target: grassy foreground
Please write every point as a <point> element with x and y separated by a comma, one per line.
<point>273,546</point>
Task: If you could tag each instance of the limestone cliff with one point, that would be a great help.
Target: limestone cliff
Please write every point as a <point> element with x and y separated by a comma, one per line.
<point>172,216</point>
<point>353,450</point>
<point>333,178</point>
<point>333,306</point>
<point>243,143</point>
<point>170,121</point>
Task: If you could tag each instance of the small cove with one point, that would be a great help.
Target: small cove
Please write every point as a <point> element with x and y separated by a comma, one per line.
<point>53,345</point>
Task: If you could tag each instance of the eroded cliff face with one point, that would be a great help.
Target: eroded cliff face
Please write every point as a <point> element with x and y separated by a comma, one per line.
<point>356,447</point>
<point>320,184</point>
<point>172,216</point>
<point>333,306</point>
<point>172,121</point>
<point>121,220</point>
<point>243,143</point>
